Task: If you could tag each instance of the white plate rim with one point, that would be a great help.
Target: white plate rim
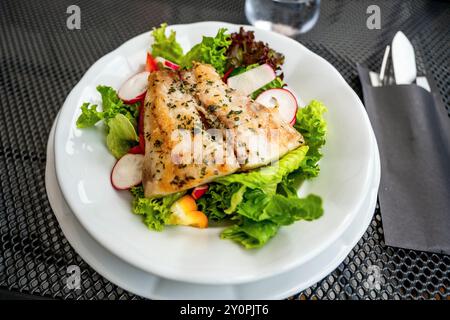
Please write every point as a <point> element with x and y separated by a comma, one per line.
<point>174,274</point>
<point>70,226</point>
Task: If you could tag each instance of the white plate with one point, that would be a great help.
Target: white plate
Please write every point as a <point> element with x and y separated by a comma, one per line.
<point>83,167</point>
<point>151,286</point>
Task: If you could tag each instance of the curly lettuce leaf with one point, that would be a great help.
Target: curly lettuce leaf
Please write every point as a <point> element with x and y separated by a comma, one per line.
<point>155,211</point>
<point>111,106</point>
<point>244,50</point>
<point>211,50</point>
<point>120,120</point>
<point>89,116</point>
<point>121,135</point>
<point>312,125</point>
<point>110,100</point>
<point>267,178</point>
<point>166,47</point>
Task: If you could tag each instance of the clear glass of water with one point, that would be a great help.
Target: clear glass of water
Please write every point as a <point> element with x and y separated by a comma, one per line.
<point>288,17</point>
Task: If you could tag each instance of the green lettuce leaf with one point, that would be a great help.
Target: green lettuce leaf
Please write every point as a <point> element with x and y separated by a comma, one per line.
<point>285,211</point>
<point>120,120</point>
<point>111,106</point>
<point>251,234</point>
<point>267,178</point>
<point>121,135</point>
<point>279,209</point>
<point>261,216</point>
<point>89,116</point>
<point>312,125</point>
<point>220,200</point>
<point>211,50</point>
<point>166,47</point>
<point>155,211</point>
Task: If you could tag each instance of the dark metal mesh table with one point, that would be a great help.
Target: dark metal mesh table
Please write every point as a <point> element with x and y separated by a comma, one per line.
<point>41,60</point>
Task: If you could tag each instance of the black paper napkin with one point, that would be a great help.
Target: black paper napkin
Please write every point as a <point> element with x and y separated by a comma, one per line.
<point>413,134</point>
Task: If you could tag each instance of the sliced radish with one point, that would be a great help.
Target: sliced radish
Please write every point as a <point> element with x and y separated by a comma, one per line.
<point>227,74</point>
<point>284,100</point>
<point>167,64</point>
<point>136,150</point>
<point>134,88</point>
<point>293,121</point>
<point>150,64</point>
<point>142,142</point>
<point>127,171</point>
<point>199,191</point>
<point>253,79</point>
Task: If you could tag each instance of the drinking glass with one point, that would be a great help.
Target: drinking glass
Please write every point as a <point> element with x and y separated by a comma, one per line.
<point>288,17</point>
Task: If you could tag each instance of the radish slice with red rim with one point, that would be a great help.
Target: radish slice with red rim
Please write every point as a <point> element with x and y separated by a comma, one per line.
<point>127,171</point>
<point>167,64</point>
<point>199,191</point>
<point>134,88</point>
<point>282,99</point>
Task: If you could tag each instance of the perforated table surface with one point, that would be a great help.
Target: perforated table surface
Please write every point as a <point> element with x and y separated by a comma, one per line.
<point>41,60</point>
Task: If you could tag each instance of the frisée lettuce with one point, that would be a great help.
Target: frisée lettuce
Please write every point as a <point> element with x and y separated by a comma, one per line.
<point>211,50</point>
<point>155,212</point>
<point>166,47</point>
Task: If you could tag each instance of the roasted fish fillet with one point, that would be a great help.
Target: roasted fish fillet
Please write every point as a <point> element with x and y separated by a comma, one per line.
<point>259,135</point>
<point>175,159</point>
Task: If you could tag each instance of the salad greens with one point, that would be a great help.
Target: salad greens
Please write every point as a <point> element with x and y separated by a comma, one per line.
<point>261,222</point>
<point>156,211</point>
<point>266,198</point>
<point>260,201</point>
<point>166,47</point>
<point>211,50</point>
<point>313,127</point>
<point>267,178</point>
<point>245,50</point>
<point>251,234</point>
<point>121,136</point>
<point>120,120</point>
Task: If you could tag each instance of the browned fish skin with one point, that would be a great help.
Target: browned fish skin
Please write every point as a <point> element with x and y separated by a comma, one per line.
<point>170,109</point>
<point>250,122</point>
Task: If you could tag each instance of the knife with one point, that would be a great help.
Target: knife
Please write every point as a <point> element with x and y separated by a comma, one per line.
<point>404,62</point>
<point>403,59</point>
